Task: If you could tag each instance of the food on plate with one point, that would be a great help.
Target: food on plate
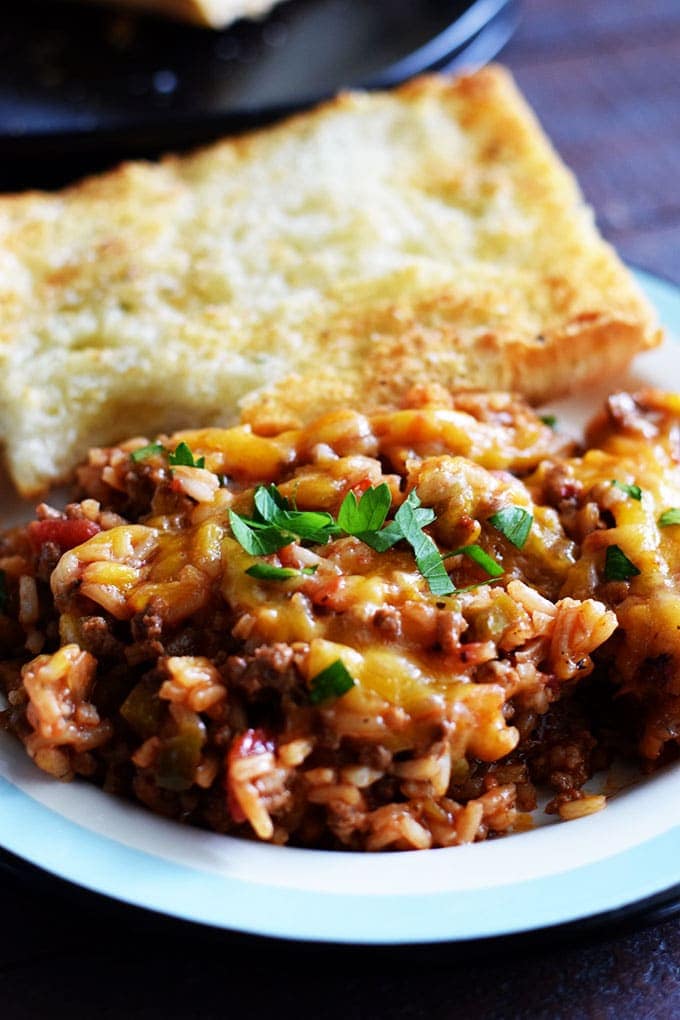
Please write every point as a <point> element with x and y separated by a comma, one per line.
<point>373,632</point>
<point>213,13</point>
<point>375,243</point>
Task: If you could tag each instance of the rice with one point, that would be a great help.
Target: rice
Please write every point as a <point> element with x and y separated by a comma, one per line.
<point>149,649</point>
<point>582,807</point>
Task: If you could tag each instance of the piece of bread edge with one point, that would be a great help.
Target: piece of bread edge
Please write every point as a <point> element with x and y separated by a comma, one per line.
<point>598,349</point>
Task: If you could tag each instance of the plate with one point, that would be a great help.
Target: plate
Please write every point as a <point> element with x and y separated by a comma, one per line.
<point>551,876</point>
<point>81,79</point>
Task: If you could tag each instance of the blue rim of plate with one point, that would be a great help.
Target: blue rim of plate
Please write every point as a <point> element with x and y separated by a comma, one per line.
<point>604,890</point>
<point>104,866</point>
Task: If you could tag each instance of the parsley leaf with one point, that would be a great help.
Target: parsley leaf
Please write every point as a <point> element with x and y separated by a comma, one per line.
<point>408,524</point>
<point>307,525</point>
<point>634,491</point>
<point>366,515</point>
<point>257,539</point>
<point>671,516</point>
<point>393,532</point>
<point>268,572</point>
<point>382,540</point>
<point>144,452</point>
<point>617,566</point>
<point>331,682</point>
<point>410,520</point>
<point>275,525</point>
<point>514,522</point>
<point>268,501</point>
<point>481,558</point>
<point>183,457</point>
<point>4,594</point>
<point>549,419</point>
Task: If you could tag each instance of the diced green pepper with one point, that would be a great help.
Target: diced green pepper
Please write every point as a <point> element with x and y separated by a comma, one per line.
<point>143,710</point>
<point>179,758</point>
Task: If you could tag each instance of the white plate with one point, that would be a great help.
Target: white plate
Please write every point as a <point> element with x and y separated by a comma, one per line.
<point>553,875</point>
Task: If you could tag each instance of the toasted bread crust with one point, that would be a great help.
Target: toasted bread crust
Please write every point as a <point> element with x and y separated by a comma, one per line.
<point>379,241</point>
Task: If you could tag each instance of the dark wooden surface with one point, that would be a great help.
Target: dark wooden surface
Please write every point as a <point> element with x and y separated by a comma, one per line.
<point>605,79</point>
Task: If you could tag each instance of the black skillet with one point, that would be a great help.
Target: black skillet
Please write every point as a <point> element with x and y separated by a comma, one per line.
<point>80,85</point>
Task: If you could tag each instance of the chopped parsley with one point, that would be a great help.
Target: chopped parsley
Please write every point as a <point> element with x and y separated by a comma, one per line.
<point>366,515</point>
<point>409,520</point>
<point>331,682</point>
<point>550,420</point>
<point>268,502</point>
<point>272,510</point>
<point>182,456</point>
<point>256,538</point>
<point>268,572</point>
<point>307,525</point>
<point>634,491</point>
<point>481,558</point>
<point>144,452</point>
<point>275,523</point>
<point>514,522</point>
<point>671,516</point>
<point>410,517</point>
<point>617,566</point>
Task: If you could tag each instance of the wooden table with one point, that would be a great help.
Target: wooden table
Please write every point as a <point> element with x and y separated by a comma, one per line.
<point>605,79</point>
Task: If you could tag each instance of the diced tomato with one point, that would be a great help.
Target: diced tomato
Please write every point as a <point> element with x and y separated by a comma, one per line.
<point>64,532</point>
<point>359,488</point>
<point>287,555</point>
<point>248,744</point>
<point>329,592</point>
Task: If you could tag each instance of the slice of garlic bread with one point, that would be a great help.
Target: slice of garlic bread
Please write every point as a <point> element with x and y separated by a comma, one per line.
<point>382,240</point>
<point>212,13</point>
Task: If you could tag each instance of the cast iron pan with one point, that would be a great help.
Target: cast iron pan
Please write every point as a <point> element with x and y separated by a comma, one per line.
<point>81,83</point>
